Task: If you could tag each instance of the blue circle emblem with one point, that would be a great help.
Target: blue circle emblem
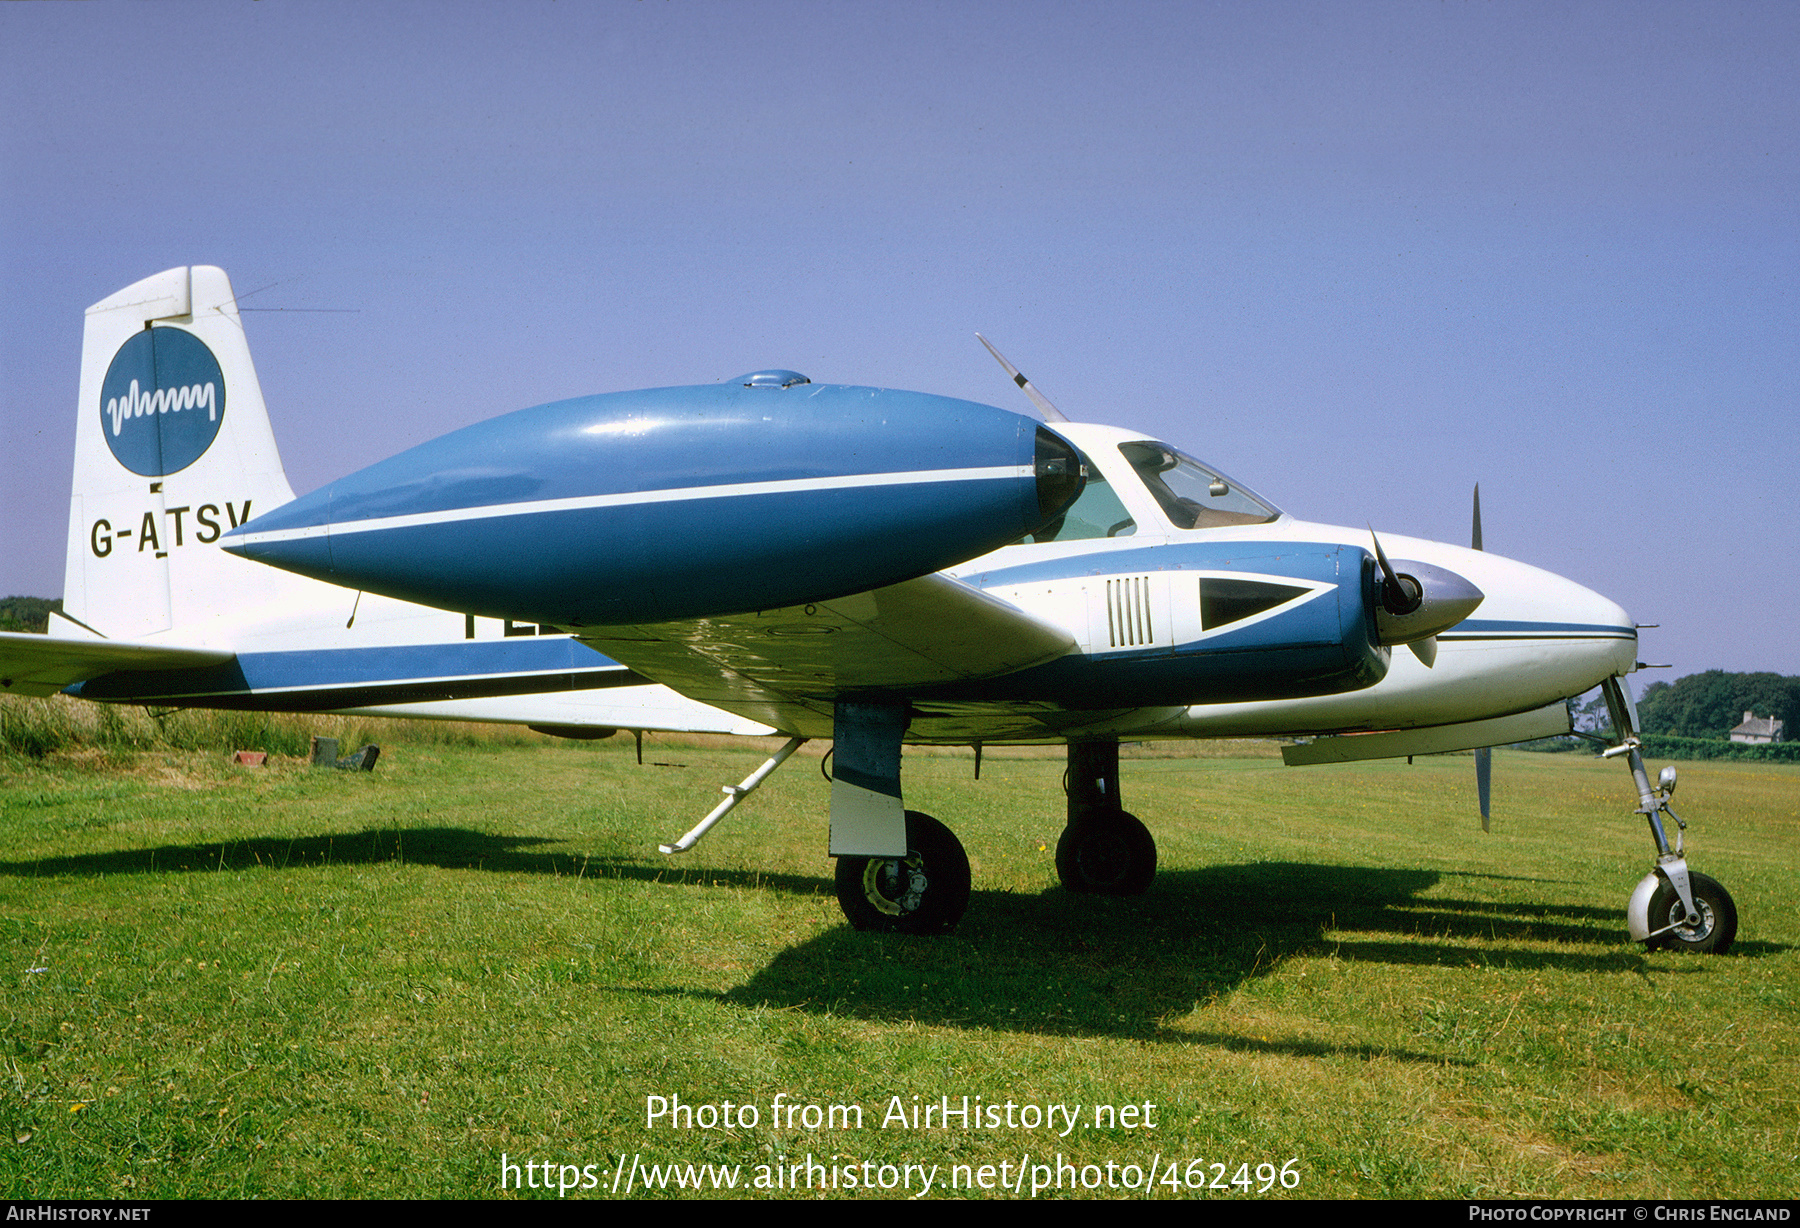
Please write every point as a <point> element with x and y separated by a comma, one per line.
<point>162,401</point>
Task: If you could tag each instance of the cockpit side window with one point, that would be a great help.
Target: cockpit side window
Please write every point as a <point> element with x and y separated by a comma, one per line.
<point>1096,512</point>
<point>1190,494</point>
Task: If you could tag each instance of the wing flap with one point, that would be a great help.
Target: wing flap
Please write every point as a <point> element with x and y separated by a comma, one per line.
<point>44,664</point>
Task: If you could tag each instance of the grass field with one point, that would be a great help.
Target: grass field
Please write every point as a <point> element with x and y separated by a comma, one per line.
<point>228,982</point>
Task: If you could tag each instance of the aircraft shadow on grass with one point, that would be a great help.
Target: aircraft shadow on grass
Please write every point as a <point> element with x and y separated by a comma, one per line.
<point>446,847</point>
<point>1048,962</point>
<point>1225,906</point>
<point>1062,964</point>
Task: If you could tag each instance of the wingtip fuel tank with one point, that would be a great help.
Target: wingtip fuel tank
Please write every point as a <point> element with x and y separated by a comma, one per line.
<point>679,503</point>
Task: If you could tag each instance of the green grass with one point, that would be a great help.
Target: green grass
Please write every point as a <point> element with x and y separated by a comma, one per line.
<point>56,725</point>
<point>221,981</point>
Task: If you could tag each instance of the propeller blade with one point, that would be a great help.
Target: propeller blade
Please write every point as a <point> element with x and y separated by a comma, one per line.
<point>1425,650</point>
<point>1484,758</point>
<point>1484,781</point>
<point>1050,412</point>
<point>1398,597</point>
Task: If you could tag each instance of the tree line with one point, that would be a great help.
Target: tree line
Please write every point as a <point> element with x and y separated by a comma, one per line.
<point>28,613</point>
<point>1711,704</point>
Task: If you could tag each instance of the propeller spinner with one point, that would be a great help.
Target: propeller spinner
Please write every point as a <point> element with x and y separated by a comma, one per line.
<point>1417,603</point>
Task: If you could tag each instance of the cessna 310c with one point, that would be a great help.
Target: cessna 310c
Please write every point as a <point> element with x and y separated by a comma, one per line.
<point>886,568</point>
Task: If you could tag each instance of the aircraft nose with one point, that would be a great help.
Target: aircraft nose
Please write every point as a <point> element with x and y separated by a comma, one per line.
<point>1564,627</point>
<point>1611,611</point>
<point>1613,631</point>
<point>1583,606</point>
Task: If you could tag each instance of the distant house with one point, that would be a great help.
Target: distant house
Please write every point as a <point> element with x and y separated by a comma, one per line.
<point>1757,729</point>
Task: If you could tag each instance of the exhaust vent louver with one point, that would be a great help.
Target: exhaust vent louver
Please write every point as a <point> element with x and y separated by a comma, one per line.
<point>1128,612</point>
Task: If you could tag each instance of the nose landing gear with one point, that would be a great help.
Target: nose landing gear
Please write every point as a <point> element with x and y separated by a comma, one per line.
<point>1671,908</point>
<point>1711,931</point>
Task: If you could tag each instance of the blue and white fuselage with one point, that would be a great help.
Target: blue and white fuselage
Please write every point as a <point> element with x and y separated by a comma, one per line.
<point>1536,637</point>
<point>719,539</point>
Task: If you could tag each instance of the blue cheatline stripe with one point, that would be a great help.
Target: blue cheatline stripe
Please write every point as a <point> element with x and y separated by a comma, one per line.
<point>1501,629</point>
<point>314,679</point>
<point>1265,557</point>
<point>414,692</point>
<point>322,667</point>
<point>218,693</point>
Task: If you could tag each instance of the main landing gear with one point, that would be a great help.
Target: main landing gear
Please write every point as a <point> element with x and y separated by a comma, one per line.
<point>924,892</point>
<point>1104,850</point>
<point>925,889</point>
<point>1672,908</point>
<point>898,871</point>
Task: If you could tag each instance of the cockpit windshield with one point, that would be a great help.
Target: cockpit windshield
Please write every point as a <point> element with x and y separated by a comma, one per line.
<point>1190,494</point>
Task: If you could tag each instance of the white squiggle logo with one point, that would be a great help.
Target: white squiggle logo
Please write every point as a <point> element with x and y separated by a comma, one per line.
<point>135,404</point>
<point>149,402</point>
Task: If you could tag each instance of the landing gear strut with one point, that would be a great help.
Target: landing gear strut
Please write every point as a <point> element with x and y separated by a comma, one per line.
<point>1671,908</point>
<point>1104,850</point>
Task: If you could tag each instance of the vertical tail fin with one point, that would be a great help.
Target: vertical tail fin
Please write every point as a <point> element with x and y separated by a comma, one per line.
<point>172,448</point>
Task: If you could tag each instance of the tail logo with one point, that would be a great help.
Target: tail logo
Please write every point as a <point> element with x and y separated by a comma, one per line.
<point>162,401</point>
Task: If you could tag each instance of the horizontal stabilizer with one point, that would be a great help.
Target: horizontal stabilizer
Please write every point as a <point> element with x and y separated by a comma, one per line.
<point>43,665</point>
<point>1546,722</point>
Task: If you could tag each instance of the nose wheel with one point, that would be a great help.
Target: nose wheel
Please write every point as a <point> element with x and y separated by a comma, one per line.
<point>1708,930</point>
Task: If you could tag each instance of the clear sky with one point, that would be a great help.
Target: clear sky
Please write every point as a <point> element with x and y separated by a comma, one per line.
<point>1361,256</point>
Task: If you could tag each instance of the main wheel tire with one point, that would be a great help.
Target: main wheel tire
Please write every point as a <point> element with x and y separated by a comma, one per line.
<point>1111,855</point>
<point>924,892</point>
<point>1714,932</point>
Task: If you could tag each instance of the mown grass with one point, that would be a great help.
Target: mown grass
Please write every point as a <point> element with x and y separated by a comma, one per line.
<point>57,725</point>
<point>223,981</point>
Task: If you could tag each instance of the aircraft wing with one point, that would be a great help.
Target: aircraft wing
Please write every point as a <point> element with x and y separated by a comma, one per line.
<point>33,664</point>
<point>782,666</point>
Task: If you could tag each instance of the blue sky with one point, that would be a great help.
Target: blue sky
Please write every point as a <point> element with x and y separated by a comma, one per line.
<point>1361,256</point>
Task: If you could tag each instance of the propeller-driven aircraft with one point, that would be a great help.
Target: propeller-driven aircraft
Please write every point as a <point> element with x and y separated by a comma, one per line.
<point>876,567</point>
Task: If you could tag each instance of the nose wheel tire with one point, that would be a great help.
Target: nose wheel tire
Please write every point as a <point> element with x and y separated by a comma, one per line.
<point>924,892</point>
<point>1711,934</point>
<point>1109,855</point>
